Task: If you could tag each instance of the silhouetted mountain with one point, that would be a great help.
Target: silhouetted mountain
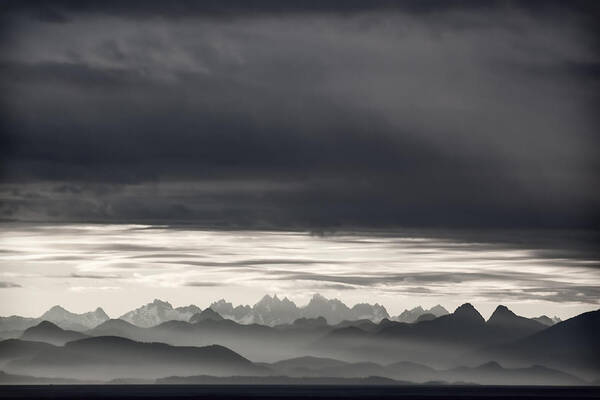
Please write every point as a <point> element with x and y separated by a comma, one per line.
<point>465,325</point>
<point>425,317</point>
<point>118,327</point>
<point>109,357</point>
<point>13,349</point>
<point>206,315</point>
<point>78,322</point>
<point>571,345</point>
<point>47,332</point>
<point>410,316</point>
<point>436,342</point>
<point>363,324</point>
<point>509,326</point>
<point>158,312</point>
<point>544,319</point>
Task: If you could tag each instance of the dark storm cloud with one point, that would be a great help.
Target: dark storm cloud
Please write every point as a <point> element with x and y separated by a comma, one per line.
<point>300,113</point>
<point>53,10</point>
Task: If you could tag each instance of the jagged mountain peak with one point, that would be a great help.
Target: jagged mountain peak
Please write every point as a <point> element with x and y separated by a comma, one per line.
<point>502,314</point>
<point>161,303</point>
<point>468,311</point>
<point>69,320</point>
<point>438,310</point>
<point>157,312</point>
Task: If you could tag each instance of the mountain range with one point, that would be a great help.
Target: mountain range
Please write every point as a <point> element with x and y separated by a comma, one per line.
<point>275,311</point>
<point>458,347</point>
<point>269,311</point>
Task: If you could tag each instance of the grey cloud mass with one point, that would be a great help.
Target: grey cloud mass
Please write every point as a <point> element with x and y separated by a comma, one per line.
<point>7,285</point>
<point>279,114</point>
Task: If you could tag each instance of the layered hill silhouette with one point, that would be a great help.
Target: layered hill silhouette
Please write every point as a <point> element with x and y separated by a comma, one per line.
<point>109,357</point>
<point>435,341</point>
<point>505,349</point>
<point>431,340</point>
<point>50,333</point>
<point>572,344</point>
<point>414,314</point>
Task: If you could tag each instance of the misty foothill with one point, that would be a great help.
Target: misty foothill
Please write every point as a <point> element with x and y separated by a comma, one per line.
<point>275,342</point>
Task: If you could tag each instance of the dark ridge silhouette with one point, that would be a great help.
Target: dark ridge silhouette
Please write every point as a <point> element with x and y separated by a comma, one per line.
<point>572,345</point>
<point>207,315</point>
<point>48,332</point>
<point>465,326</point>
<point>109,357</point>
<point>509,326</point>
<point>544,319</point>
<point>118,327</point>
<point>13,349</point>
<point>425,317</point>
<point>362,324</point>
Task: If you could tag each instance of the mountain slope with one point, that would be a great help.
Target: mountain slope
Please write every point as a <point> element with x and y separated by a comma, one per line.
<point>410,316</point>
<point>207,315</point>
<point>508,326</point>
<point>572,343</point>
<point>109,357</point>
<point>79,322</point>
<point>158,312</point>
<point>13,349</point>
<point>47,332</point>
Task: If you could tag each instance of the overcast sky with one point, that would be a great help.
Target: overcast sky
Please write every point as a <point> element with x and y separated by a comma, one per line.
<point>298,114</point>
<point>305,116</point>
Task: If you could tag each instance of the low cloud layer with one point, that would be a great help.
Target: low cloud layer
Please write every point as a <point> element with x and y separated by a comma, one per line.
<point>419,113</point>
<point>400,269</point>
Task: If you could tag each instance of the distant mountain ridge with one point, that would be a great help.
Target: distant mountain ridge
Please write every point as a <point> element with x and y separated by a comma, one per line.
<point>159,311</point>
<point>68,320</point>
<point>271,310</point>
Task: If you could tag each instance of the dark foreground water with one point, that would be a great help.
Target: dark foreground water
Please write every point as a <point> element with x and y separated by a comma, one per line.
<point>291,392</point>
